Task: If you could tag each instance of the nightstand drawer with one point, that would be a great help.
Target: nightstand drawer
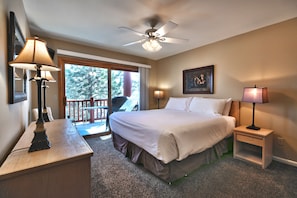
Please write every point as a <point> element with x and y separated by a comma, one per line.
<point>255,140</point>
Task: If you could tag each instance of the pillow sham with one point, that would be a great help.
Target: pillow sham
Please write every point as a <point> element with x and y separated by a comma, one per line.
<point>227,107</point>
<point>178,103</point>
<point>207,105</point>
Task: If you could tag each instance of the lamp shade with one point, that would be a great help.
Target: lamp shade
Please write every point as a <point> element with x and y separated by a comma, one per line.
<point>255,95</point>
<point>158,94</point>
<point>151,45</point>
<point>34,55</point>
<point>46,75</point>
<point>16,76</point>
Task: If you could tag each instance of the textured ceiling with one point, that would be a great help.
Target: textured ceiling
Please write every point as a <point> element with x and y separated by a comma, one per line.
<point>96,22</point>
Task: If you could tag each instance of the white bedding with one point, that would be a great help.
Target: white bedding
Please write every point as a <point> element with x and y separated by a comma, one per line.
<point>171,134</point>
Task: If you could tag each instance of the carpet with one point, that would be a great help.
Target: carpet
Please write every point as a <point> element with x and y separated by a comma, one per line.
<point>113,175</point>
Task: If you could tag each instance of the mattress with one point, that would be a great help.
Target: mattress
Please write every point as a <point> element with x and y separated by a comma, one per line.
<point>170,134</point>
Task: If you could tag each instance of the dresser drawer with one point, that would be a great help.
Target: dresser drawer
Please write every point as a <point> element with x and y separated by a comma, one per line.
<point>255,140</point>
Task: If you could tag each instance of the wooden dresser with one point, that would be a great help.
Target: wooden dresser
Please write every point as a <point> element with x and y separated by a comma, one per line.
<point>64,170</point>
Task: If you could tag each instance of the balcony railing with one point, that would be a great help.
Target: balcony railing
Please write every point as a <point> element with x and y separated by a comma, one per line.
<point>86,110</point>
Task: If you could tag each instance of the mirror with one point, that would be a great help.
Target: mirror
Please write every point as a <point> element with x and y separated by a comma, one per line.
<point>17,78</point>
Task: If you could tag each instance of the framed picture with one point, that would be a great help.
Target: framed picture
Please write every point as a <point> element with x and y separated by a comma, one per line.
<point>198,80</point>
<point>17,78</point>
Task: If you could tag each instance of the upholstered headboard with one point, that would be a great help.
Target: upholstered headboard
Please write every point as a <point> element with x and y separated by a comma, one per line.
<point>234,111</point>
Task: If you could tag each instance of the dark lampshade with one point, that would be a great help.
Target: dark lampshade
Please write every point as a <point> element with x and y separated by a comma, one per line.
<point>255,95</point>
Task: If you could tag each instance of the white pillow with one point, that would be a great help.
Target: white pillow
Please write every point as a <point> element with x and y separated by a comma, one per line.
<point>227,107</point>
<point>207,105</point>
<point>178,103</point>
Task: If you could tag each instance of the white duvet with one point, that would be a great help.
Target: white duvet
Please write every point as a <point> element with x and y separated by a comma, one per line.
<point>171,134</point>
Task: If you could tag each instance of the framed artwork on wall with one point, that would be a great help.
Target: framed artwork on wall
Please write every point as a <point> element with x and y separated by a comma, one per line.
<point>17,77</point>
<point>198,80</point>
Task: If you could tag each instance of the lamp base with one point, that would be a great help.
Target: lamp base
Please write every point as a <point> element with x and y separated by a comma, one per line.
<point>45,117</point>
<point>39,142</point>
<point>253,127</point>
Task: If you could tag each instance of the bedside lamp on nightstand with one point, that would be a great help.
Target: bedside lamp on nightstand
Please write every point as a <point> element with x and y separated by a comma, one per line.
<point>255,95</point>
<point>158,94</point>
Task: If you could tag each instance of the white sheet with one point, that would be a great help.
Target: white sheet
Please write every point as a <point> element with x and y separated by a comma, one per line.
<point>171,134</point>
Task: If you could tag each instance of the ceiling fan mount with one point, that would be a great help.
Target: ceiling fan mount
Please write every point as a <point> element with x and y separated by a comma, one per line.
<point>153,21</point>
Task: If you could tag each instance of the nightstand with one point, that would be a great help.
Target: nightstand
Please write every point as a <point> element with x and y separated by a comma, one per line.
<point>253,145</point>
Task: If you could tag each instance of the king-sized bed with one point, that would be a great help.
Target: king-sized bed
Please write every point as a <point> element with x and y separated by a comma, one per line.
<point>174,141</point>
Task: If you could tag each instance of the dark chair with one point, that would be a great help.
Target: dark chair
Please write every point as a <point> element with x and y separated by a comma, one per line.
<point>116,104</point>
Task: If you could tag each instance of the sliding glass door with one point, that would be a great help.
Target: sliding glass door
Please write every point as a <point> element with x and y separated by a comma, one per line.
<point>86,93</point>
<point>93,91</point>
<point>124,84</point>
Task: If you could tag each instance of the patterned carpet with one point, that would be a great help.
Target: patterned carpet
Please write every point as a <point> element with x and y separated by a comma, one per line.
<point>115,176</point>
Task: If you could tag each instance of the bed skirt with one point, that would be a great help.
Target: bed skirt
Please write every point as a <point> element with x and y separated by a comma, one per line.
<point>175,169</point>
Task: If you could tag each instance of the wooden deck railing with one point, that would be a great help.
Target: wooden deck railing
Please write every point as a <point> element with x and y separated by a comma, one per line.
<point>86,110</point>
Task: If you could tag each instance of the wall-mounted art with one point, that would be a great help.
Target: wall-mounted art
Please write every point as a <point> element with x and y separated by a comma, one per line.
<point>198,80</point>
<point>16,77</point>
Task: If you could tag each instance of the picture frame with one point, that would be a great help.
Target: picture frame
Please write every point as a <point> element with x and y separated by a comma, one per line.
<point>17,78</point>
<point>199,80</point>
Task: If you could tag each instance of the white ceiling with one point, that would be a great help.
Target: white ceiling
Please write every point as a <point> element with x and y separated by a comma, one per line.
<point>96,22</point>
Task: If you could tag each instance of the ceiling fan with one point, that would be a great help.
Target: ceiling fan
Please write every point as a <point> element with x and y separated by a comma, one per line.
<point>151,38</point>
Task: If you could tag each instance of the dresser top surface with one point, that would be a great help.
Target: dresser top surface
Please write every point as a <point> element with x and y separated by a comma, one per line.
<point>261,132</point>
<point>66,145</point>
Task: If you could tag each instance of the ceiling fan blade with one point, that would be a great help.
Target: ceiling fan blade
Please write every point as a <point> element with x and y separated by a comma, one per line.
<point>172,40</point>
<point>134,31</point>
<point>165,28</point>
<point>134,42</point>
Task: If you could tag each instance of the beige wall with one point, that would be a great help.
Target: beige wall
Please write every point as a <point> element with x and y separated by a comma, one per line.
<point>265,57</point>
<point>14,117</point>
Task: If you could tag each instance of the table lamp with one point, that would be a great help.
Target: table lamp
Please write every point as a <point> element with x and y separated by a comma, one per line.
<point>158,94</point>
<point>255,95</point>
<point>47,76</point>
<point>35,56</point>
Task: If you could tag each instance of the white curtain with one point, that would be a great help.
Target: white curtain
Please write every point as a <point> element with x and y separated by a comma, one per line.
<point>144,88</point>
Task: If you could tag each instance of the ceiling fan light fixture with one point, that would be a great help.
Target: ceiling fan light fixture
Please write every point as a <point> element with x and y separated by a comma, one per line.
<point>151,45</point>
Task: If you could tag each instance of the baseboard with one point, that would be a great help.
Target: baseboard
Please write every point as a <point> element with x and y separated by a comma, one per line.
<point>285,161</point>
